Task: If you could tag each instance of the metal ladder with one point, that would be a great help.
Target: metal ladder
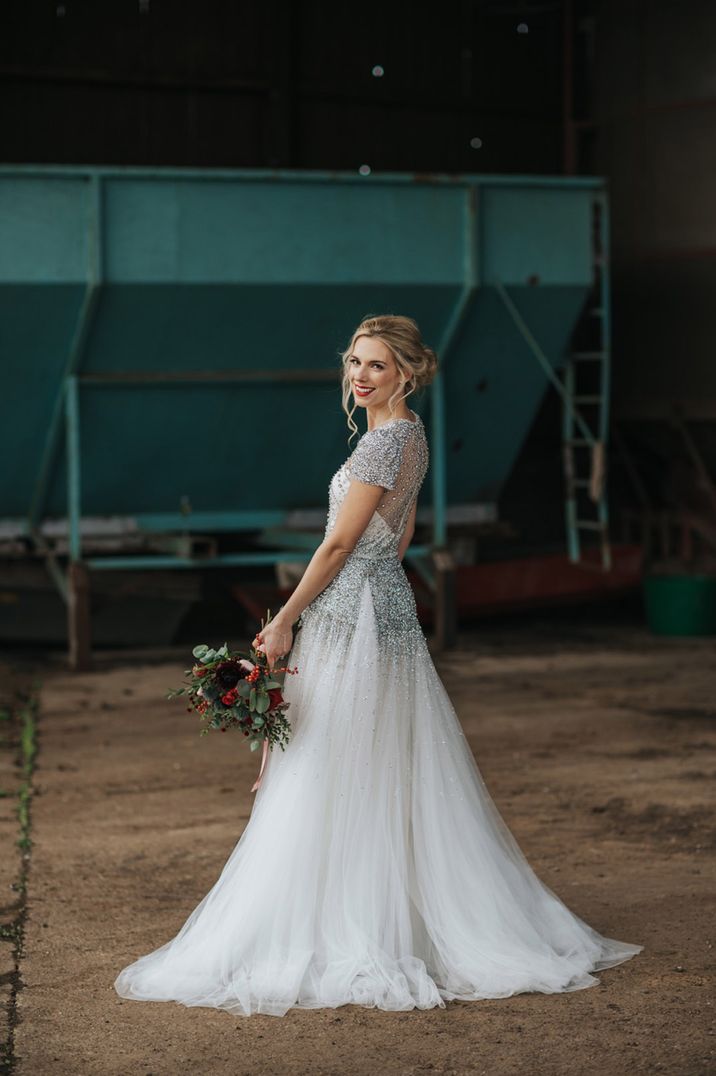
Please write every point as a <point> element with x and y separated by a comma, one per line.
<point>585,425</point>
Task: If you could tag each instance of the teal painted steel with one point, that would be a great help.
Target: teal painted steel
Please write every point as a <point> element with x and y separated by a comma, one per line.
<point>544,362</point>
<point>494,386</point>
<point>445,348</point>
<point>245,520</point>
<point>261,276</point>
<point>438,461</point>
<point>224,560</point>
<point>93,252</point>
<point>74,469</point>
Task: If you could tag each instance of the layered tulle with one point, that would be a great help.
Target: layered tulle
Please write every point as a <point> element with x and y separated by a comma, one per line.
<point>374,869</point>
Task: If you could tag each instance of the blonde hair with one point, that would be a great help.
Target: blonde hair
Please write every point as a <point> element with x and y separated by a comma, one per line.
<point>415,361</point>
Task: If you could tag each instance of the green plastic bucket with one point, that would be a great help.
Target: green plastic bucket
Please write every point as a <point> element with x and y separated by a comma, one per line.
<point>681,604</point>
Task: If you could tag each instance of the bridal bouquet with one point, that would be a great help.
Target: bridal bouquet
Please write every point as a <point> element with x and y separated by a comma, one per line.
<point>233,689</point>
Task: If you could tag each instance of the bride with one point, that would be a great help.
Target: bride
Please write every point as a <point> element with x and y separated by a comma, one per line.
<point>375,868</point>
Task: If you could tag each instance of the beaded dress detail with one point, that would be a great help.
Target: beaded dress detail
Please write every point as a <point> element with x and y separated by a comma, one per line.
<point>375,868</point>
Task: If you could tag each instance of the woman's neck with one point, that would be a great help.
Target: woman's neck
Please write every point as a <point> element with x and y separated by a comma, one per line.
<point>385,416</point>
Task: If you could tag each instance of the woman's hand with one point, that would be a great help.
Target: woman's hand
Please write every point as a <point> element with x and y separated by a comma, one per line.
<point>274,640</point>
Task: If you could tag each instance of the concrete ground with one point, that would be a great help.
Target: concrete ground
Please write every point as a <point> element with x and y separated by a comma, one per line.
<point>599,747</point>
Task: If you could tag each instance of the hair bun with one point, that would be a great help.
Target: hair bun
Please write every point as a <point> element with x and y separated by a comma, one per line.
<point>429,368</point>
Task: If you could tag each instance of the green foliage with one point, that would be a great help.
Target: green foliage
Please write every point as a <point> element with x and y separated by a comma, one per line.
<point>206,654</point>
<point>249,707</point>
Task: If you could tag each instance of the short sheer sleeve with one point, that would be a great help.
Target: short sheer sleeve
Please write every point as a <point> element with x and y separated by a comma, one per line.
<point>377,456</point>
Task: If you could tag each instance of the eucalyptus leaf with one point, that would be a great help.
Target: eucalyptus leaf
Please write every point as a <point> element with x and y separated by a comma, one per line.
<point>259,722</point>
<point>244,689</point>
<point>262,703</point>
<point>200,650</point>
<point>254,745</point>
<point>271,684</point>
<point>252,699</point>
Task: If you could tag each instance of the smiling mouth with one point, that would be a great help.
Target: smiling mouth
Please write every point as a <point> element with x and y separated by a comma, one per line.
<point>362,391</point>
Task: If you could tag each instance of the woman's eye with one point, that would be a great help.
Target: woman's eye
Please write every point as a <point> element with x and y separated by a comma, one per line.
<point>376,365</point>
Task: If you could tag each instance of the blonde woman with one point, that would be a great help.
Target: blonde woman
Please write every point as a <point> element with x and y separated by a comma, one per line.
<point>375,869</point>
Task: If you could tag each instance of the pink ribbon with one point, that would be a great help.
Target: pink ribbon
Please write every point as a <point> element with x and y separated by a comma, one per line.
<point>264,756</point>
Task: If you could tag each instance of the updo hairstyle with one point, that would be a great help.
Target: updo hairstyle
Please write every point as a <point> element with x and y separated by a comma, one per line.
<point>416,362</point>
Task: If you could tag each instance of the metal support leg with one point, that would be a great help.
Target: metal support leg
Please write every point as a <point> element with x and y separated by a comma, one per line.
<point>439,462</point>
<point>78,618</point>
<point>445,602</point>
<point>445,599</point>
<point>78,594</point>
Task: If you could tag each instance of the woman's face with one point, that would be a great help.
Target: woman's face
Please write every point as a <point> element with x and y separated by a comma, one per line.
<point>373,372</point>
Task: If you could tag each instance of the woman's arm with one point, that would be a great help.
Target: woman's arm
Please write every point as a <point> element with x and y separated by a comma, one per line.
<point>407,535</point>
<point>354,515</point>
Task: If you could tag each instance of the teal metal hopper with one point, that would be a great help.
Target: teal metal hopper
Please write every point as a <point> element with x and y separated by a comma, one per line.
<point>170,338</point>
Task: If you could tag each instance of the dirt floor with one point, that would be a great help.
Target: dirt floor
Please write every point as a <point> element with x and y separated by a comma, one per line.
<point>599,747</point>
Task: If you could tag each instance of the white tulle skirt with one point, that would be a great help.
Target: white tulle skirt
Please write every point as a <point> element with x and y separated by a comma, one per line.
<point>374,869</point>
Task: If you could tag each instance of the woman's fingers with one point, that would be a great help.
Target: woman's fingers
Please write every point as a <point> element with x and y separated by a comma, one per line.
<point>272,649</point>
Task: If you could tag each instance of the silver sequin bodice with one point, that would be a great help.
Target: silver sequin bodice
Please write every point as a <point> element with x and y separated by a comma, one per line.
<point>394,455</point>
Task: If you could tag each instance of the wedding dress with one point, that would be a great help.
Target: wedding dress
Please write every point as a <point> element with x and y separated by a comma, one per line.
<point>375,868</point>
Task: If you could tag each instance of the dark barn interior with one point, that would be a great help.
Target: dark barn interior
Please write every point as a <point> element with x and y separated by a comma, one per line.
<point>179,178</point>
<point>614,89</point>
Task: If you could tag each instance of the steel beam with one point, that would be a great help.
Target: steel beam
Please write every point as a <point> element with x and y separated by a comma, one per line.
<point>526,333</point>
<point>129,378</point>
<point>78,344</point>
<point>287,175</point>
<point>452,330</point>
<point>74,469</point>
<point>224,560</point>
